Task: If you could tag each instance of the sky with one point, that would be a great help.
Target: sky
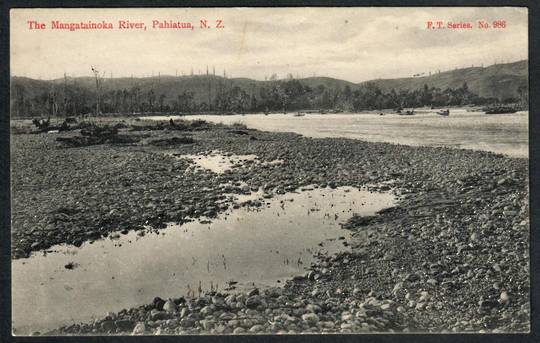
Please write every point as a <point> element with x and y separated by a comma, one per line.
<point>354,44</point>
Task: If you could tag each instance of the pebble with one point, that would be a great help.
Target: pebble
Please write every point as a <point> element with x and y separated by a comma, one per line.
<point>207,324</point>
<point>256,328</point>
<point>124,324</point>
<point>346,326</point>
<point>218,300</point>
<point>432,282</point>
<point>397,287</point>
<point>310,318</point>
<point>108,325</point>
<point>424,296</point>
<point>253,301</point>
<point>139,329</point>
<point>252,292</point>
<point>207,310</point>
<point>184,312</point>
<point>239,330</point>
<point>169,306</point>
<point>504,298</point>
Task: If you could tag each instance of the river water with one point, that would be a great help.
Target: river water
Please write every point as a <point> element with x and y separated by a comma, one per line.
<point>261,247</point>
<point>500,133</point>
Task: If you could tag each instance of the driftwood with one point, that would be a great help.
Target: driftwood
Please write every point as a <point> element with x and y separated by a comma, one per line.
<point>92,134</point>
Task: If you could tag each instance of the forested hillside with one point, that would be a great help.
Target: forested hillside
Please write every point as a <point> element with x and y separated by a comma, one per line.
<point>210,93</point>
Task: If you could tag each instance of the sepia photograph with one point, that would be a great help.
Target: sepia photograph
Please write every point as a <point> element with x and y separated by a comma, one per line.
<point>277,171</point>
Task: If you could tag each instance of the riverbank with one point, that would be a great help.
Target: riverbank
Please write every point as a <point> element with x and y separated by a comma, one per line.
<point>452,256</point>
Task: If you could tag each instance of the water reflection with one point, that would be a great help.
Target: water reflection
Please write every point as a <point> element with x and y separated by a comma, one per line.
<point>241,248</point>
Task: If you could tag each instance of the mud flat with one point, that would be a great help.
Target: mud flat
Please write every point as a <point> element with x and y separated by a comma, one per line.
<point>451,256</point>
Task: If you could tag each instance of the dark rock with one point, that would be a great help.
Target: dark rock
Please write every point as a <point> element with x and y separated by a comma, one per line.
<point>108,325</point>
<point>254,291</point>
<point>158,303</point>
<point>125,325</point>
<point>253,302</point>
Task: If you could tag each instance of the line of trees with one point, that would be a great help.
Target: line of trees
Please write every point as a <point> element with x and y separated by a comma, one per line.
<point>276,95</point>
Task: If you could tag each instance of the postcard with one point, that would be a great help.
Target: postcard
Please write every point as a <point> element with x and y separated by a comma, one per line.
<point>243,171</point>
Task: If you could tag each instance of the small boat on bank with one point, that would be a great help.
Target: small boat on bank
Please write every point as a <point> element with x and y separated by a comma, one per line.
<point>407,113</point>
<point>299,114</point>
<point>445,113</point>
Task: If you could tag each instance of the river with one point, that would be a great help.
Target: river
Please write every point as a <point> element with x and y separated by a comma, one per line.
<point>506,134</point>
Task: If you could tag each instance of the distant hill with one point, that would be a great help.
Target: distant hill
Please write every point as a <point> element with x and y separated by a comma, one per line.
<point>328,82</point>
<point>170,86</point>
<point>495,81</point>
<point>30,96</point>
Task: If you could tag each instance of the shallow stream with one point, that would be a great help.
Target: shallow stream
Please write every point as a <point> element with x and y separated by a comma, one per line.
<point>244,247</point>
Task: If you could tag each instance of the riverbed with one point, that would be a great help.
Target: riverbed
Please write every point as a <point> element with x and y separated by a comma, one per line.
<point>441,260</point>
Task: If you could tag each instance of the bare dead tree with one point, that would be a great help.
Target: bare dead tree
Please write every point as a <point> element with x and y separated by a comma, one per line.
<point>96,75</point>
<point>65,105</point>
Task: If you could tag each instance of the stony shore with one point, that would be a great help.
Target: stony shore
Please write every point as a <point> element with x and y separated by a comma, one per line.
<point>452,256</point>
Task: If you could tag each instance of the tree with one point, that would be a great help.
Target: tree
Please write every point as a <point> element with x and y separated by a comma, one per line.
<point>52,104</point>
<point>161,101</point>
<point>184,101</point>
<point>347,93</point>
<point>125,100</point>
<point>523,94</point>
<point>135,98</point>
<point>426,97</point>
<point>151,99</point>
<point>18,104</point>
